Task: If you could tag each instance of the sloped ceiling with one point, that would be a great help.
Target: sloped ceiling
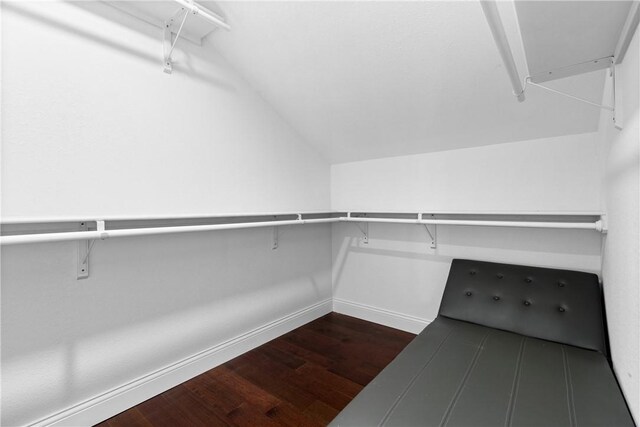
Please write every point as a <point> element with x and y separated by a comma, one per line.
<point>363,80</point>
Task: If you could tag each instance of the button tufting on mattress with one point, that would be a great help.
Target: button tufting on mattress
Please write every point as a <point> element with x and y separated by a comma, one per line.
<point>490,354</point>
<point>579,323</point>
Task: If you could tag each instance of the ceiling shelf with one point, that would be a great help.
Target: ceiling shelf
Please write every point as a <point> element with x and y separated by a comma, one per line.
<point>184,18</point>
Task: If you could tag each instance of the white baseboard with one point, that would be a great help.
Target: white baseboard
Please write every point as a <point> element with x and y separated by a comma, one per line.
<point>125,396</point>
<point>378,315</point>
<point>114,401</point>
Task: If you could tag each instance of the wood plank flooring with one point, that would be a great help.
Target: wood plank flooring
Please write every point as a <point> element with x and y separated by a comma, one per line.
<point>303,378</point>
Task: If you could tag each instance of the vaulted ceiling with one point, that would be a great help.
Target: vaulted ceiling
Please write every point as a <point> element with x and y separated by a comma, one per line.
<point>362,80</point>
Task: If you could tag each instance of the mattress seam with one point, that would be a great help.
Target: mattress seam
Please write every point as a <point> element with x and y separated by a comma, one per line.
<point>569,386</point>
<point>465,379</point>
<point>516,384</point>
<point>413,380</point>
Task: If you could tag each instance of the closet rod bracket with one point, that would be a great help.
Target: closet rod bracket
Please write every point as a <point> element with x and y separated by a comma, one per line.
<point>274,242</point>
<point>166,46</point>
<point>571,70</point>
<point>365,232</point>
<point>433,235</point>
<point>167,43</point>
<point>85,247</point>
<point>364,229</point>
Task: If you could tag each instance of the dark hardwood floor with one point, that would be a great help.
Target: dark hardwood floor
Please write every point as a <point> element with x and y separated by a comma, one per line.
<point>303,378</point>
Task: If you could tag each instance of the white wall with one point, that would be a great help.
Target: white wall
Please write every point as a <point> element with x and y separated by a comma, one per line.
<point>398,279</point>
<point>93,127</point>
<point>149,302</point>
<point>551,174</point>
<point>202,141</point>
<point>621,270</point>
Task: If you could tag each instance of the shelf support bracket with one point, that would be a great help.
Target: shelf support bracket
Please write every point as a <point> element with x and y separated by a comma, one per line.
<point>167,43</point>
<point>365,232</point>
<point>528,81</point>
<point>617,121</point>
<point>274,243</point>
<point>84,249</point>
<point>166,47</point>
<point>432,235</point>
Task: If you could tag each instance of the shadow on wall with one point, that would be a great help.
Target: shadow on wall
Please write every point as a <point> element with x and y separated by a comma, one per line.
<point>149,302</point>
<point>167,275</point>
<point>626,162</point>
<point>399,245</point>
<point>185,64</point>
<point>353,245</point>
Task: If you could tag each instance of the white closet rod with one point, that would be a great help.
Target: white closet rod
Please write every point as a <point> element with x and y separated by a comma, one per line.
<point>490,9</point>
<point>597,226</point>
<point>210,16</point>
<point>107,234</point>
<point>68,219</point>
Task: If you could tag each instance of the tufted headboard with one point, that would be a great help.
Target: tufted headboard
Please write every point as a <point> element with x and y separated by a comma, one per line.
<point>556,305</point>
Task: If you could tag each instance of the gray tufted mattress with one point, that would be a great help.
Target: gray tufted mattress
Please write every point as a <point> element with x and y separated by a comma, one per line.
<point>511,346</point>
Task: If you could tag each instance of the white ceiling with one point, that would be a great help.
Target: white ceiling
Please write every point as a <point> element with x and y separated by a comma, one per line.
<point>363,80</point>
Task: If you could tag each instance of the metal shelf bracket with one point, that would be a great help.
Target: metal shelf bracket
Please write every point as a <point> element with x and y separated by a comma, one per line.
<point>433,235</point>
<point>167,43</point>
<point>274,243</point>
<point>584,67</point>
<point>364,230</point>
<point>84,250</point>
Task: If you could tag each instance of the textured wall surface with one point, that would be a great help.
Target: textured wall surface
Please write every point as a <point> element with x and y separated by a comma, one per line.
<point>547,175</point>
<point>621,267</point>
<point>92,126</point>
<point>398,272</point>
<point>148,303</point>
